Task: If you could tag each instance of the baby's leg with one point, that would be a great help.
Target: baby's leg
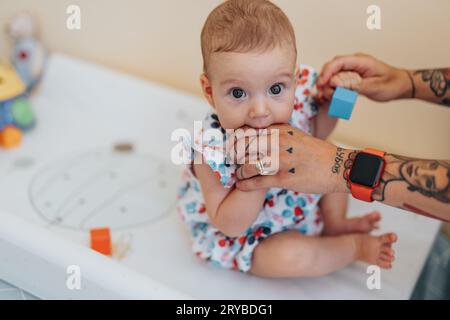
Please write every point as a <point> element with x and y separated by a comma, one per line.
<point>333,207</point>
<point>291,254</point>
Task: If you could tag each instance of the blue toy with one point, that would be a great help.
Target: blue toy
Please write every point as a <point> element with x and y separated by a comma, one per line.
<point>342,103</point>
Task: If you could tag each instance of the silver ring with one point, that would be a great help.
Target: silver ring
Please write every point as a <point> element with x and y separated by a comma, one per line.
<point>260,166</point>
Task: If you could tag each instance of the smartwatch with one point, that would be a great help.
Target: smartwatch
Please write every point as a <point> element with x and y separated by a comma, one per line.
<point>365,173</point>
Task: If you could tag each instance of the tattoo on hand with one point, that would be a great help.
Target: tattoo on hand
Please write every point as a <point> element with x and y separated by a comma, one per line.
<point>338,160</point>
<point>439,82</point>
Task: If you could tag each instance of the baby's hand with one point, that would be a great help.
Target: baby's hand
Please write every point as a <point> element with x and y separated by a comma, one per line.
<point>346,79</point>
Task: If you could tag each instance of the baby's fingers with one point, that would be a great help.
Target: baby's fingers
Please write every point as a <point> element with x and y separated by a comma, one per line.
<point>324,95</point>
<point>347,79</point>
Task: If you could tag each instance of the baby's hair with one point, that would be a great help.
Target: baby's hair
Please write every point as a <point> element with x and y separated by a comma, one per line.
<point>244,26</point>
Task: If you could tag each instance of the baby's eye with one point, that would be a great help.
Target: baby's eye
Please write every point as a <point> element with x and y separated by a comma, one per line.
<point>238,93</point>
<point>276,89</point>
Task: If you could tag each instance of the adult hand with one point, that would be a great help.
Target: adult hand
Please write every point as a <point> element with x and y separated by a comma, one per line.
<point>305,164</point>
<point>311,165</point>
<point>380,81</point>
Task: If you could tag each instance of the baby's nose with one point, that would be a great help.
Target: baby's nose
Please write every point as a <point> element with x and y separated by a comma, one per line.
<point>259,109</point>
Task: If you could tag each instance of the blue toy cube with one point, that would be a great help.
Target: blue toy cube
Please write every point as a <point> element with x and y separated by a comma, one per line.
<point>342,103</point>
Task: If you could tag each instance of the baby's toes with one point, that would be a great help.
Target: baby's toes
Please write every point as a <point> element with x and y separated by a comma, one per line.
<point>388,239</point>
<point>368,222</point>
<point>386,254</point>
<point>373,220</point>
<point>364,224</point>
<point>387,258</point>
<point>385,264</point>
<point>388,251</point>
<point>373,216</point>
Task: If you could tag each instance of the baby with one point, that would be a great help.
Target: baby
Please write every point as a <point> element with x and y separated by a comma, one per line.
<point>250,79</point>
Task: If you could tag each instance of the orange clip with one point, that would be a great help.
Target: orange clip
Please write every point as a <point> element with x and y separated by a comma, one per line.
<point>101,240</point>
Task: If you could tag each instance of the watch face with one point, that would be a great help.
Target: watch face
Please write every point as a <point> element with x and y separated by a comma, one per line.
<point>366,169</point>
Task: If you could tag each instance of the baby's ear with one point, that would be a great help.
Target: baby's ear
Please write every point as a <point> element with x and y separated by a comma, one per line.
<point>207,89</point>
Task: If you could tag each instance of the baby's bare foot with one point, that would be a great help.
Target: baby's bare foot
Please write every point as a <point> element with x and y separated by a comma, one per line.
<point>364,224</point>
<point>377,250</point>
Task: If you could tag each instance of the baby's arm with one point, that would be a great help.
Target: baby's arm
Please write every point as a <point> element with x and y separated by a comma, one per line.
<point>230,210</point>
<point>333,207</point>
<point>323,124</point>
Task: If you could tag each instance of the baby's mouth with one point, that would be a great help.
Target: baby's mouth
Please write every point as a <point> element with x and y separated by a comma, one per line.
<point>260,124</point>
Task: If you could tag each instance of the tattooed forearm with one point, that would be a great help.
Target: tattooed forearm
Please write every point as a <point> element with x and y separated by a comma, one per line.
<point>438,80</point>
<point>431,178</point>
<point>416,185</point>
<point>338,160</point>
<point>439,83</point>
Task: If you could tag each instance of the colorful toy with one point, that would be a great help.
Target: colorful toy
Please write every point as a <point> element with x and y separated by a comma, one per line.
<point>29,54</point>
<point>342,103</point>
<point>101,241</point>
<point>17,81</point>
<point>15,110</point>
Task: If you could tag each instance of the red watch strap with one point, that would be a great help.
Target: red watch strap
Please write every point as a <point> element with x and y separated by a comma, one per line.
<point>361,192</point>
<point>375,152</point>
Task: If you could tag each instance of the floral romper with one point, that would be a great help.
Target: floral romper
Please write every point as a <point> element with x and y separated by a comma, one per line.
<point>283,209</point>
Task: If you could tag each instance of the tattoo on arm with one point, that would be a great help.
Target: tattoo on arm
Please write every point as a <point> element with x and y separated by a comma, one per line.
<point>412,208</point>
<point>348,165</point>
<point>431,178</point>
<point>439,82</point>
<point>413,85</point>
<point>338,160</point>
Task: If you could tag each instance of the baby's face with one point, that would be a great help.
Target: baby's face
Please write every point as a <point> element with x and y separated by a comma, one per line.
<point>256,89</point>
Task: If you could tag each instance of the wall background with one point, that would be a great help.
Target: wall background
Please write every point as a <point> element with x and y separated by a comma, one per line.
<point>159,40</point>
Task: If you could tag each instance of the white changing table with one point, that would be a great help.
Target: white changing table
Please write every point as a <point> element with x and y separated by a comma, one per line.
<point>64,179</point>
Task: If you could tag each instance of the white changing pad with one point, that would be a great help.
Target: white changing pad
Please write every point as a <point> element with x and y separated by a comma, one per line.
<point>65,178</point>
